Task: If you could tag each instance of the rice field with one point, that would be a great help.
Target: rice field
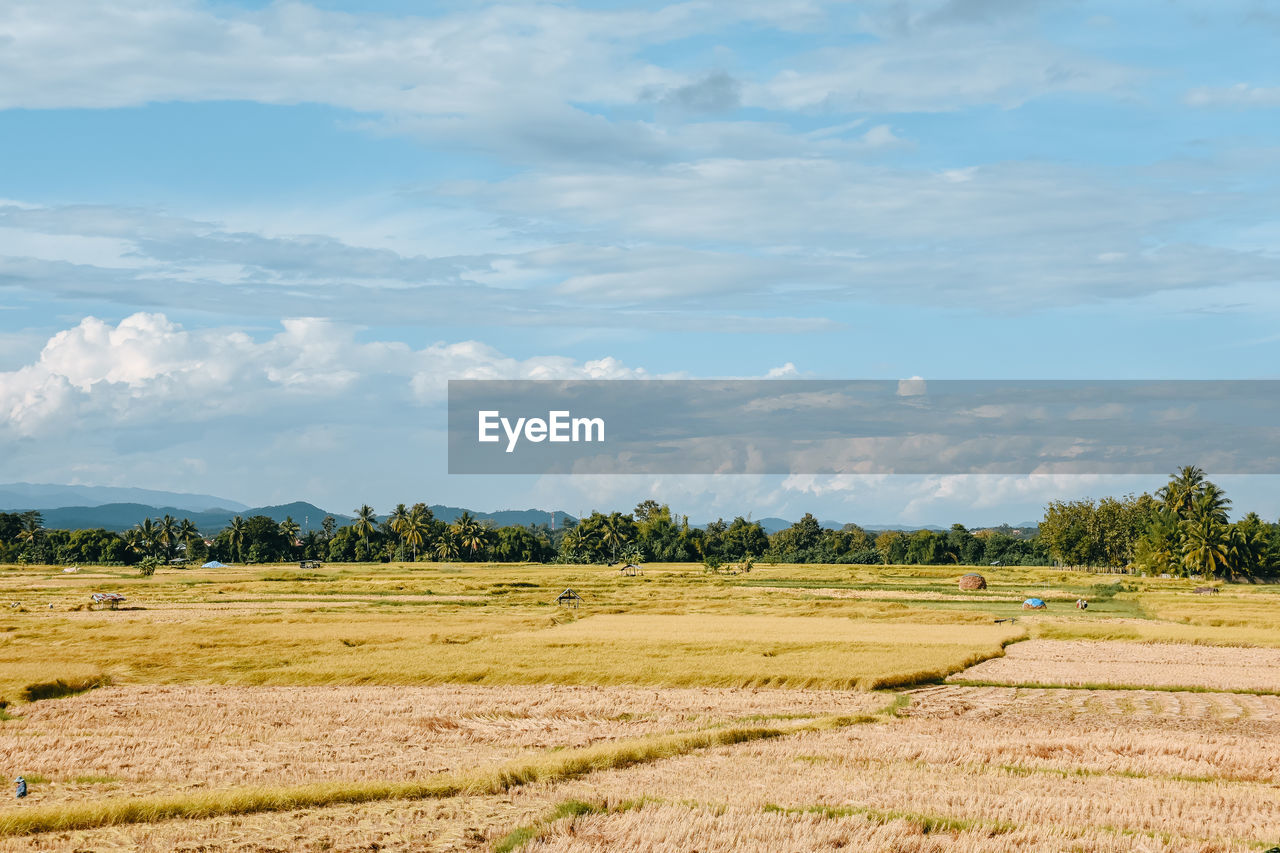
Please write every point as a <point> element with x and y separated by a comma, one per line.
<point>1122,664</point>
<point>149,740</point>
<point>455,707</point>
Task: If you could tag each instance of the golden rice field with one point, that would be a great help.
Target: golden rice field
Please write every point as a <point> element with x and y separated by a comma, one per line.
<point>456,707</point>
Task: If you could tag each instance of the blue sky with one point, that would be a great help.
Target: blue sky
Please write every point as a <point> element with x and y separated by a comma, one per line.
<point>244,245</point>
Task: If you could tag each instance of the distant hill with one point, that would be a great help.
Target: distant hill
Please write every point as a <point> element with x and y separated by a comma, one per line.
<point>122,516</point>
<point>772,524</point>
<point>504,517</point>
<point>24,496</point>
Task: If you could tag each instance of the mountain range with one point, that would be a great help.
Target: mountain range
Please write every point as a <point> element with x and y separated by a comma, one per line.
<point>117,508</point>
<point>24,496</point>
<point>121,516</point>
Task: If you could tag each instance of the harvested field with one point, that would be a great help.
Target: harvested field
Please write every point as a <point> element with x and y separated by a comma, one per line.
<point>264,709</point>
<point>165,739</point>
<point>1082,663</point>
<point>968,769</point>
<point>1012,775</point>
<point>732,829</point>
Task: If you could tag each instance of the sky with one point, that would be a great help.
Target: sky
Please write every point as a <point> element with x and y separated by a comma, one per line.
<point>243,246</point>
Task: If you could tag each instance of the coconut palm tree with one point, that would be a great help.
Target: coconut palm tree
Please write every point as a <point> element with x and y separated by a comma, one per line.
<point>397,518</point>
<point>187,531</point>
<point>365,523</point>
<point>447,547</point>
<point>237,531</point>
<point>167,535</point>
<point>613,535</point>
<point>1182,489</point>
<point>1160,550</point>
<point>470,534</point>
<point>574,545</point>
<point>1205,548</point>
<point>32,527</point>
<point>415,528</point>
<point>1205,533</point>
<point>148,540</point>
<point>289,529</point>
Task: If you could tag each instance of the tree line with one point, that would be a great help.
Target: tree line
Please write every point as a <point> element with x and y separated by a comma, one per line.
<point>1181,530</point>
<point>650,532</point>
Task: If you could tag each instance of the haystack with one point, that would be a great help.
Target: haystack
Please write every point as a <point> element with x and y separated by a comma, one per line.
<point>1034,604</point>
<point>973,580</point>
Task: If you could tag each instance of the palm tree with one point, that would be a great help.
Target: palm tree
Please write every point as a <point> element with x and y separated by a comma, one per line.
<point>574,544</point>
<point>470,533</point>
<point>188,531</point>
<point>1205,549</point>
<point>32,527</point>
<point>167,535</point>
<point>612,535</point>
<point>289,529</point>
<point>397,518</point>
<point>365,523</point>
<point>147,537</point>
<point>414,529</point>
<point>1160,550</point>
<point>447,547</point>
<point>1210,501</point>
<point>1205,532</point>
<point>237,531</point>
<point>1182,489</point>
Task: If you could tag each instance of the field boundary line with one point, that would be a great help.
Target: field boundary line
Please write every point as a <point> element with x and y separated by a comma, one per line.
<point>553,767</point>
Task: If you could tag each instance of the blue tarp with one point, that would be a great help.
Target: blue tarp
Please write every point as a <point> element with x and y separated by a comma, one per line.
<point>1033,602</point>
<point>214,564</point>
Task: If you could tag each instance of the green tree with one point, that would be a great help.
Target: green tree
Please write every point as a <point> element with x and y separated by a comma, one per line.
<point>168,534</point>
<point>365,524</point>
<point>415,528</point>
<point>236,535</point>
<point>470,535</point>
<point>289,530</point>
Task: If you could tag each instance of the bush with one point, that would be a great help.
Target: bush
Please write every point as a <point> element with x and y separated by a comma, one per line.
<point>147,566</point>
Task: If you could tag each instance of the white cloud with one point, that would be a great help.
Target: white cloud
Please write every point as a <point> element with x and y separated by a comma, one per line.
<point>1239,95</point>
<point>148,370</point>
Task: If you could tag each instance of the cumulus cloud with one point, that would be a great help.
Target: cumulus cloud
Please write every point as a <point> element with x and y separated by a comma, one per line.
<point>147,367</point>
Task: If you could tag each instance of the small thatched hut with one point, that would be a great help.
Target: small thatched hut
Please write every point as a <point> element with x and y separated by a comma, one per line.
<point>973,580</point>
<point>1034,604</point>
<point>568,598</point>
